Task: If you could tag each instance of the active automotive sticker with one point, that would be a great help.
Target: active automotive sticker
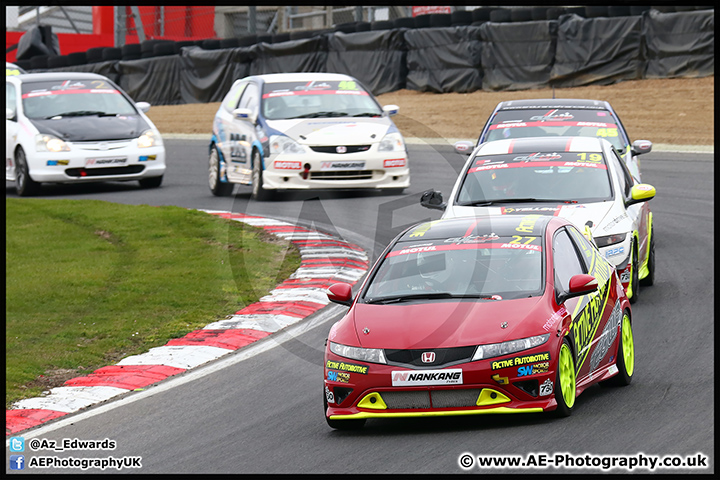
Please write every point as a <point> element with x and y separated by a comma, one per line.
<point>427,377</point>
<point>546,388</point>
<point>333,376</point>
<point>522,360</point>
<point>347,367</point>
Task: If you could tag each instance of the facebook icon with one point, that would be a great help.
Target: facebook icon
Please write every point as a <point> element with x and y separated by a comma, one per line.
<point>17,462</point>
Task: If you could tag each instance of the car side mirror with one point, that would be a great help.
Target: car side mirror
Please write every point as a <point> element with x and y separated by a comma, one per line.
<point>642,192</point>
<point>641,146</point>
<point>433,200</point>
<point>581,284</point>
<point>464,147</point>
<point>143,106</point>
<point>340,293</point>
<point>9,113</point>
<point>391,110</point>
<point>244,114</point>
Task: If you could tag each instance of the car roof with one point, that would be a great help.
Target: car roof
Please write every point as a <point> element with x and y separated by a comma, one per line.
<point>541,144</point>
<point>500,225</point>
<point>50,76</point>
<point>300,77</point>
<point>540,103</point>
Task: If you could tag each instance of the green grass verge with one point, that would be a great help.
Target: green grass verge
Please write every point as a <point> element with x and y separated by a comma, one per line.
<point>90,282</point>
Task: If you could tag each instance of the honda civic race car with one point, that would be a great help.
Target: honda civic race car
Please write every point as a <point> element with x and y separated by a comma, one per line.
<point>305,131</point>
<point>579,178</point>
<point>466,316</point>
<point>563,117</point>
<point>73,127</point>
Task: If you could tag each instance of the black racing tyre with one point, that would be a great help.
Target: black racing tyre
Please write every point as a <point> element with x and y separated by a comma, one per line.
<point>565,381</point>
<point>650,279</point>
<point>218,188</point>
<point>151,182</point>
<point>258,192</point>
<point>625,356</point>
<point>24,185</point>
<point>635,275</point>
<point>341,424</point>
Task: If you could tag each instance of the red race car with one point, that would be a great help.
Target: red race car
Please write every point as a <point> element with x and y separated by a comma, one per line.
<point>475,315</point>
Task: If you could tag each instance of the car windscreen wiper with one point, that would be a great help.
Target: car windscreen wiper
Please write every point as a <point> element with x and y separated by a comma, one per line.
<point>321,114</point>
<point>80,113</point>
<point>423,296</point>
<point>486,203</point>
<point>367,114</point>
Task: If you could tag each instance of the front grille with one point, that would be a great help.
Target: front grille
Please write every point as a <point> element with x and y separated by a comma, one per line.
<point>344,175</point>
<point>411,399</point>
<point>426,399</point>
<point>350,149</point>
<point>104,172</point>
<point>454,398</point>
<point>443,356</point>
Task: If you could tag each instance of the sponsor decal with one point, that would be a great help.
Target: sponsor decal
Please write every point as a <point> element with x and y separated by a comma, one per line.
<point>342,165</point>
<point>607,337</point>
<point>472,239</point>
<point>586,324</point>
<point>427,377</point>
<point>625,276</point>
<point>500,380</point>
<point>537,156</point>
<point>342,377</point>
<point>329,395</point>
<point>105,162</point>
<point>522,360</point>
<point>533,369</point>
<point>285,165</point>
<point>347,367</point>
<point>548,325</point>
<point>57,162</point>
<point>614,251</point>
<point>394,162</point>
<point>521,246</point>
<point>527,223</point>
<point>145,158</point>
<point>422,229</point>
<point>508,210</point>
<point>552,115</point>
<point>615,221</point>
<point>546,388</point>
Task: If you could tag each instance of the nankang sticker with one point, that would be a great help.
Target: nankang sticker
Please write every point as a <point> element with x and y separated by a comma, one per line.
<point>347,367</point>
<point>546,388</point>
<point>342,165</point>
<point>522,360</point>
<point>404,378</point>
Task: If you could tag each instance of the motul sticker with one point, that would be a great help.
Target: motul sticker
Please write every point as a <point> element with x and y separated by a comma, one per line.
<point>395,162</point>
<point>280,165</point>
<point>404,378</point>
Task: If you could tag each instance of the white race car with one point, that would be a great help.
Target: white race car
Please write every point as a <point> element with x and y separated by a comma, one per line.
<point>581,179</point>
<point>71,127</point>
<point>305,131</point>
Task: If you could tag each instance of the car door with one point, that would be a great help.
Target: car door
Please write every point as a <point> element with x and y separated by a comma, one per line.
<point>11,129</point>
<point>572,255</point>
<point>224,125</point>
<point>241,134</point>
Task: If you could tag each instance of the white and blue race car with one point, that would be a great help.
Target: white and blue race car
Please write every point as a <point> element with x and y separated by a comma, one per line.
<point>290,131</point>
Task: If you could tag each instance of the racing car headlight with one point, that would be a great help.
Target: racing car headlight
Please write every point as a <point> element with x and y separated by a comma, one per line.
<point>497,349</point>
<point>50,143</point>
<point>147,139</point>
<point>610,239</point>
<point>371,355</point>
<point>392,142</point>
<point>280,144</point>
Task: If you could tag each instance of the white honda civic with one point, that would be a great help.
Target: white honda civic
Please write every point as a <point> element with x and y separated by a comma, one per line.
<point>305,131</point>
